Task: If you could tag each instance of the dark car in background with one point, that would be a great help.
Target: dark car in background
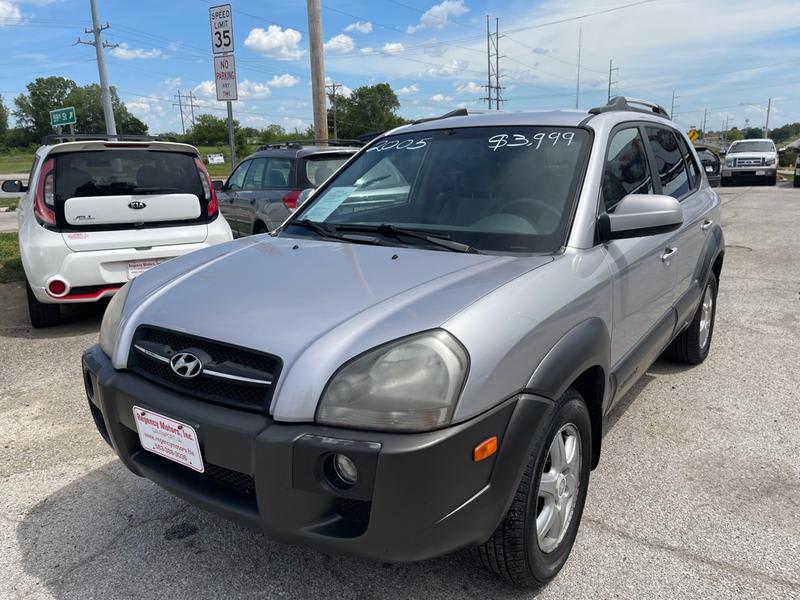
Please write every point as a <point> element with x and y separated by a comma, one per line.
<point>797,172</point>
<point>711,164</point>
<point>264,188</point>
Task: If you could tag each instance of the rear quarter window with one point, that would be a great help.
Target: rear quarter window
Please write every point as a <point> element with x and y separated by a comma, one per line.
<point>319,169</point>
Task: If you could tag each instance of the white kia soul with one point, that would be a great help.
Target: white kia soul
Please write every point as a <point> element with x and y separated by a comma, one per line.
<point>97,213</point>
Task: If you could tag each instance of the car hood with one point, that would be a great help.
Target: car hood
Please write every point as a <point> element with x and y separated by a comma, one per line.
<point>315,304</point>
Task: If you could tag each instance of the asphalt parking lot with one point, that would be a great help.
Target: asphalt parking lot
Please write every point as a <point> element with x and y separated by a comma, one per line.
<point>697,493</point>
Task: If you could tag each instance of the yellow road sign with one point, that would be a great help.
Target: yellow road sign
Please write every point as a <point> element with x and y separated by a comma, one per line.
<point>694,135</point>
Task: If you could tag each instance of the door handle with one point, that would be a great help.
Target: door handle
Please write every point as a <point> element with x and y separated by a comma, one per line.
<point>706,225</point>
<point>668,253</point>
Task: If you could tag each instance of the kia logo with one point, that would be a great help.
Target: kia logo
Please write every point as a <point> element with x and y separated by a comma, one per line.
<point>186,365</point>
<point>136,205</point>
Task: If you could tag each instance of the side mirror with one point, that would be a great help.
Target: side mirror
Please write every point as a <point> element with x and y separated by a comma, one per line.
<point>639,215</point>
<point>218,185</point>
<point>14,186</point>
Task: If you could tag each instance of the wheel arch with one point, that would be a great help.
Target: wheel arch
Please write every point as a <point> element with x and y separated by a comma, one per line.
<point>259,226</point>
<point>579,360</point>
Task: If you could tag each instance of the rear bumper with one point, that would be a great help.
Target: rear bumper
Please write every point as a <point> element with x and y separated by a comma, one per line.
<point>418,495</point>
<point>96,273</point>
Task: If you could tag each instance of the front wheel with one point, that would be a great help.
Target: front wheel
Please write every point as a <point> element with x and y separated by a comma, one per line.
<point>532,543</point>
<point>773,180</point>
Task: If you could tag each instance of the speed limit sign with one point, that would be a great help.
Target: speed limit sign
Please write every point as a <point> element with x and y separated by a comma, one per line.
<point>221,18</point>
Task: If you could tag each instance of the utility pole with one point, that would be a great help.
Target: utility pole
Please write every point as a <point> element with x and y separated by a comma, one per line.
<point>333,87</point>
<point>317,71</point>
<point>611,70</point>
<point>766,125</point>
<point>672,106</point>
<point>493,69</point>
<point>99,46</point>
<point>185,100</point>
<point>705,114</point>
<point>578,84</point>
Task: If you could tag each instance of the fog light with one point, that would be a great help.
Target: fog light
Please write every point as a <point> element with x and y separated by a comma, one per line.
<point>345,470</point>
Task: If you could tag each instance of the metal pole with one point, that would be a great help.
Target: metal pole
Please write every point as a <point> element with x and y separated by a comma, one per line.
<point>317,71</point>
<point>672,106</point>
<point>105,93</point>
<point>488,64</point>
<point>705,114</point>
<point>191,104</point>
<point>180,106</point>
<point>766,125</point>
<point>610,64</point>
<point>578,85</point>
<point>231,136</point>
<point>497,63</point>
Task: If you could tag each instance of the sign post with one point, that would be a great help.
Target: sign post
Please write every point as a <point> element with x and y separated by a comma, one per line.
<point>221,22</point>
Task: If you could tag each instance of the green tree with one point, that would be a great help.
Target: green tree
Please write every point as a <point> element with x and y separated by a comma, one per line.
<point>44,94</point>
<point>3,117</point>
<point>733,134</point>
<point>88,104</point>
<point>271,133</point>
<point>368,108</point>
<point>208,130</point>
<point>752,133</point>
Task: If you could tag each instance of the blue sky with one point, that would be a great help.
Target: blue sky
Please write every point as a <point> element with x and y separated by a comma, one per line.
<point>729,56</point>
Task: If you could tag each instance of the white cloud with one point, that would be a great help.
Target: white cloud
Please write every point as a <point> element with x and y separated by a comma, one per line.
<point>392,47</point>
<point>9,13</point>
<point>283,81</point>
<point>408,90</point>
<point>138,107</point>
<point>359,27</point>
<point>124,52</point>
<point>205,89</point>
<point>275,42</point>
<point>470,88</point>
<point>452,67</point>
<point>340,44</point>
<point>366,50</point>
<point>253,89</point>
<point>438,15</point>
<point>440,98</point>
<point>173,82</point>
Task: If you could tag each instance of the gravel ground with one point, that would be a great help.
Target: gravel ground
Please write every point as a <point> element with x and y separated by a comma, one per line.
<point>697,494</point>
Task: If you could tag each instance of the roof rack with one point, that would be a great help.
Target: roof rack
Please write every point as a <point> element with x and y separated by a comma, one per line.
<point>120,137</point>
<point>298,144</point>
<point>459,112</point>
<point>623,103</point>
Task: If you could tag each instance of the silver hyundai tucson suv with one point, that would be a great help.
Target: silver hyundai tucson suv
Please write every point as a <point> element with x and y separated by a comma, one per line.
<point>422,357</point>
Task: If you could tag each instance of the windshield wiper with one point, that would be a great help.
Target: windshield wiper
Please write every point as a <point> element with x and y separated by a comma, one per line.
<point>388,230</point>
<point>324,232</point>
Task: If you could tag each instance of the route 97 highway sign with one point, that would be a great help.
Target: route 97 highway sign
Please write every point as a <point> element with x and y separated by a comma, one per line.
<point>221,18</point>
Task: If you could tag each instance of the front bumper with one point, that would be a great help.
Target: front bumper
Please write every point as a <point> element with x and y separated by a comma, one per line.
<point>733,173</point>
<point>418,496</point>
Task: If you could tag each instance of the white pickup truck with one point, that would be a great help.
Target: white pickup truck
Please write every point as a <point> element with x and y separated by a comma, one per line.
<point>751,160</point>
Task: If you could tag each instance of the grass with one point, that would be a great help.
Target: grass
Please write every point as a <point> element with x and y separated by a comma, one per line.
<point>15,162</point>
<point>225,169</point>
<point>10,262</point>
<point>9,203</point>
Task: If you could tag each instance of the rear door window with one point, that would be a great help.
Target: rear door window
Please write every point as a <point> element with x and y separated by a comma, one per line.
<point>125,172</point>
<point>626,170</point>
<point>278,173</point>
<point>669,162</point>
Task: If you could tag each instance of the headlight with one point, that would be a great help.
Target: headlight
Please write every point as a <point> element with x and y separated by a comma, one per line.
<point>411,384</point>
<point>728,162</point>
<point>769,161</point>
<point>110,324</point>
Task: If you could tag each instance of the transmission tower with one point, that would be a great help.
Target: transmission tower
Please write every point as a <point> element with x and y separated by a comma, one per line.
<point>186,103</point>
<point>493,86</point>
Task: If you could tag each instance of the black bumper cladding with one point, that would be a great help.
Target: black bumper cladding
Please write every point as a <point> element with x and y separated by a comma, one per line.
<point>417,495</point>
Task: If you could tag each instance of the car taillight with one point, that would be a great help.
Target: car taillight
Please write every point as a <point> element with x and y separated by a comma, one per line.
<point>44,201</point>
<point>290,199</point>
<point>208,188</point>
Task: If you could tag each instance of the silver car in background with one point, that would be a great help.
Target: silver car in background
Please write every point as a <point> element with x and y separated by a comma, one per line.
<point>425,356</point>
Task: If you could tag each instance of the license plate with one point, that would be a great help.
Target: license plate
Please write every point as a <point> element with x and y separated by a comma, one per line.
<point>726,173</point>
<point>138,267</point>
<point>761,172</point>
<point>709,169</point>
<point>168,438</point>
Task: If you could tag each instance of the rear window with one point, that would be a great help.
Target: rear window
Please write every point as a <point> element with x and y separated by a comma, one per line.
<point>125,172</point>
<point>319,169</point>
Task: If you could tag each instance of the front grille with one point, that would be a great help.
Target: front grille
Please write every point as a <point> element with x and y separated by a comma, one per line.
<point>241,482</point>
<point>205,387</point>
<point>354,510</point>
<point>749,162</point>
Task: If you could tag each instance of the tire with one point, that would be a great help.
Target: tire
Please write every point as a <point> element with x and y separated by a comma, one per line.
<point>724,183</point>
<point>260,228</point>
<point>41,314</point>
<point>691,347</point>
<point>515,551</point>
<point>796,182</point>
<point>772,180</point>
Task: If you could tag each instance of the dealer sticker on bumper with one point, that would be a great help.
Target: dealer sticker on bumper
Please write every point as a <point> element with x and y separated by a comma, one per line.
<point>168,438</point>
<point>138,267</point>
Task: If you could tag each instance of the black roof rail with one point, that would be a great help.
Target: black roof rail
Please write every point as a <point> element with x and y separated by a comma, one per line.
<point>298,144</point>
<point>631,104</point>
<point>459,112</point>
<point>55,138</point>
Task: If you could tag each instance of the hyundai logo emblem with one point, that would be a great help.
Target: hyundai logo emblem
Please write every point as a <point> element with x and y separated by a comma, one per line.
<point>137,205</point>
<point>186,365</point>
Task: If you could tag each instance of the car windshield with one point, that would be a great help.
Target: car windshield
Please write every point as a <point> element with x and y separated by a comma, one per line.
<point>751,147</point>
<point>501,189</point>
